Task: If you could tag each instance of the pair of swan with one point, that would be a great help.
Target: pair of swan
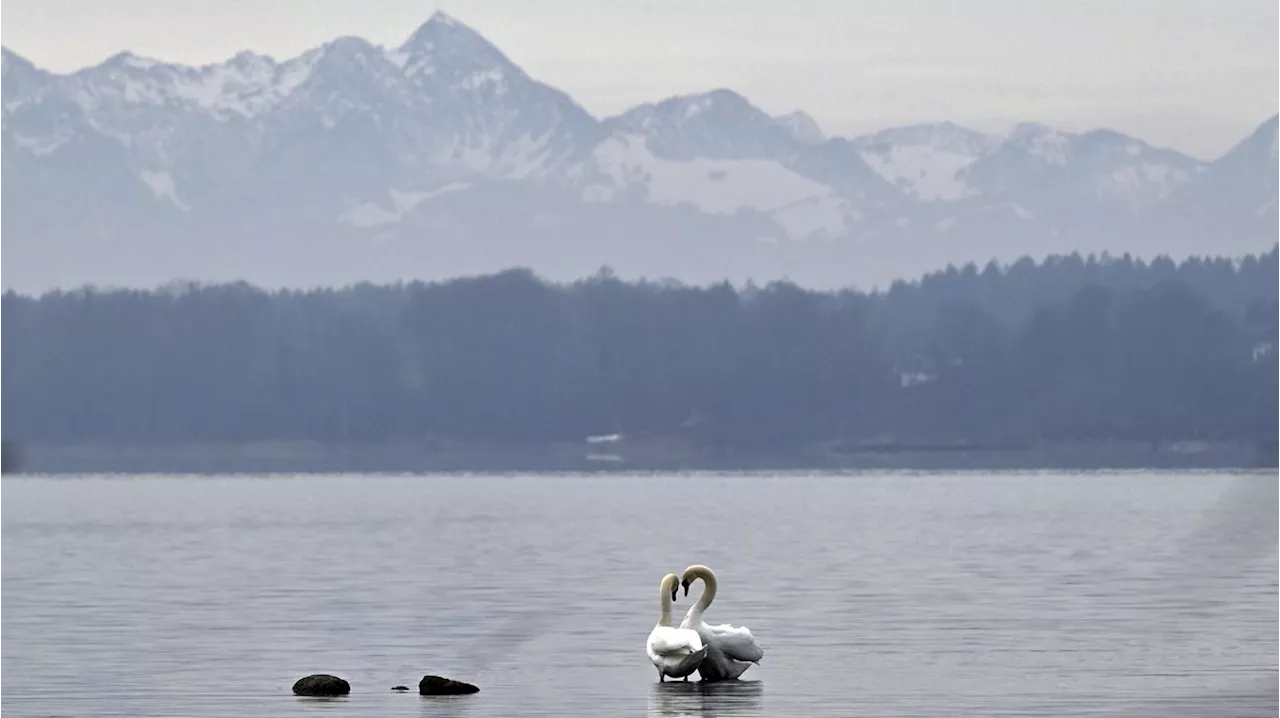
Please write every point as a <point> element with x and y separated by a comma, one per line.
<point>717,653</point>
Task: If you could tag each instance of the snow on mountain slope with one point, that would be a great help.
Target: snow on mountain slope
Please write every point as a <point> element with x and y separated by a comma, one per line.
<point>374,214</point>
<point>722,154</point>
<point>948,163</point>
<point>1146,178</point>
<point>161,183</point>
<point>331,142</point>
<point>838,164</point>
<point>481,105</point>
<point>1037,165</point>
<point>244,86</point>
<point>800,206</point>
<point>445,142</point>
<point>926,161</point>
<point>720,124</point>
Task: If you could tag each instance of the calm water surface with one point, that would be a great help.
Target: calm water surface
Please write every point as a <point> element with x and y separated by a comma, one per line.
<point>873,595</point>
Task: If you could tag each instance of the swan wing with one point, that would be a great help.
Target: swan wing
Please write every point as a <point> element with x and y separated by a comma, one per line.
<point>681,665</point>
<point>677,653</point>
<point>736,642</point>
<point>729,628</point>
<point>665,640</point>
<point>719,667</point>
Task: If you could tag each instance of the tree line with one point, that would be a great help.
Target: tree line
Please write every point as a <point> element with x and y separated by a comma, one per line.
<point>1071,348</point>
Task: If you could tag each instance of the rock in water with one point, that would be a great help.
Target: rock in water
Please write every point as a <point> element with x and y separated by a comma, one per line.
<point>437,686</point>
<point>321,684</point>
<point>399,688</point>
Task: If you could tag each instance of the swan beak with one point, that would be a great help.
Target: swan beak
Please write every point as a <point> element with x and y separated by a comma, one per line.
<point>685,584</point>
<point>674,591</point>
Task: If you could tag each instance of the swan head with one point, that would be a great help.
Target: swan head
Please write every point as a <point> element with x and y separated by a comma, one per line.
<point>693,573</point>
<point>671,583</point>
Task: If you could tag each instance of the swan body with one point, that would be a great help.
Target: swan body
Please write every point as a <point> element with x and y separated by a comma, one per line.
<point>675,652</point>
<point>730,649</point>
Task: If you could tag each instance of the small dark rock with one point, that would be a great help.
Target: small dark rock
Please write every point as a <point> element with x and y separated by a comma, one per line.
<point>437,686</point>
<point>399,688</point>
<point>321,684</point>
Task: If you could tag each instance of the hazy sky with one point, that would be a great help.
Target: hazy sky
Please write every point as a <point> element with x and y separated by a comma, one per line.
<point>1196,75</point>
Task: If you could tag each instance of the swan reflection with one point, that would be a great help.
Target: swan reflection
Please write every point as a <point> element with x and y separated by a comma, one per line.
<point>727,698</point>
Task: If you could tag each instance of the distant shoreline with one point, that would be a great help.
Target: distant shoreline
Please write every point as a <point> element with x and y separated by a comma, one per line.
<point>304,457</point>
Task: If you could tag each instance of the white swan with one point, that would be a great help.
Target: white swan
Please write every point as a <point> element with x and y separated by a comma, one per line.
<point>730,649</point>
<point>675,652</point>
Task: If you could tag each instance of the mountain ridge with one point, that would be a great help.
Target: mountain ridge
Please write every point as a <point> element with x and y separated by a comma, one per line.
<point>442,156</point>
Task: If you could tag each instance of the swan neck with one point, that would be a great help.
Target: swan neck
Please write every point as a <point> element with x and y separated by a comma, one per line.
<point>664,619</point>
<point>708,592</point>
<point>667,587</point>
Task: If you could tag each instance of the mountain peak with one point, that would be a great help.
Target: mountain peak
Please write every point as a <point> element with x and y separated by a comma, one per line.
<point>1261,145</point>
<point>348,45</point>
<point>945,135</point>
<point>13,59</point>
<point>246,61</point>
<point>443,136</point>
<point>129,60</point>
<point>712,106</point>
<point>802,127</point>
<point>440,27</point>
<point>21,77</point>
<point>444,41</point>
<point>719,97</point>
<point>1028,130</point>
<point>719,123</point>
<point>440,17</point>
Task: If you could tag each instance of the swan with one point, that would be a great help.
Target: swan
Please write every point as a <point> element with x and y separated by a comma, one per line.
<point>730,649</point>
<point>675,652</point>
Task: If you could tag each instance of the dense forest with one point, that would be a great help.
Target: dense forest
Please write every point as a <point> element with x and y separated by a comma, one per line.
<point>1072,348</point>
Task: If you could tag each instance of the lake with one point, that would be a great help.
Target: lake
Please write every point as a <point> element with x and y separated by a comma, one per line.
<point>972,594</point>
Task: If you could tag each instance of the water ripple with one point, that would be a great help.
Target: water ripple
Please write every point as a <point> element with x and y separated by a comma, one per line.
<point>874,595</point>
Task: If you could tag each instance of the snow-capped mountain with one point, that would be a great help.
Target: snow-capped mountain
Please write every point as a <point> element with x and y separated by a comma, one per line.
<point>1234,198</point>
<point>927,162</point>
<point>442,156</point>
